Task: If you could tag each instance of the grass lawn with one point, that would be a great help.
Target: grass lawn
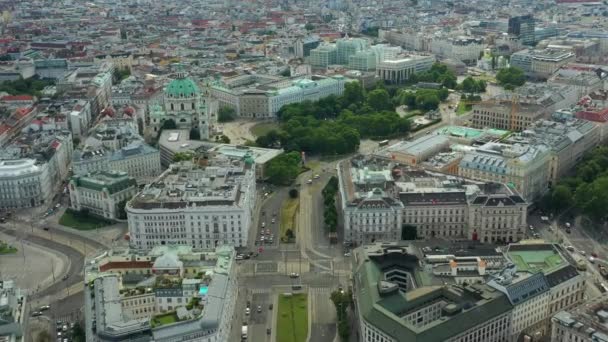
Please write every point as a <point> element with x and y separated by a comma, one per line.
<point>167,318</point>
<point>82,222</point>
<point>463,108</point>
<point>263,128</point>
<point>292,318</point>
<point>288,216</point>
<point>6,249</point>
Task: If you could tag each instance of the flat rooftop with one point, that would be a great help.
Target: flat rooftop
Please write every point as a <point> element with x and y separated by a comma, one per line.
<point>535,257</point>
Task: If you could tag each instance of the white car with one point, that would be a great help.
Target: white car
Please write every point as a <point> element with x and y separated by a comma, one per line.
<point>317,177</point>
<point>583,253</point>
<point>309,181</point>
<point>591,259</point>
<point>247,311</point>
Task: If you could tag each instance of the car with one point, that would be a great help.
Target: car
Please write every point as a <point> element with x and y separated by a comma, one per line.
<point>570,248</point>
<point>591,259</point>
<point>273,220</point>
<point>46,228</point>
<point>59,334</point>
<point>293,275</point>
<point>263,224</point>
<point>36,313</point>
<point>531,227</point>
<point>296,287</point>
<point>267,231</point>
<point>309,181</point>
<point>65,328</point>
<point>239,257</point>
<point>536,235</point>
<point>268,331</point>
<point>58,205</point>
<point>247,311</point>
<point>270,306</point>
<point>347,254</point>
<point>568,231</point>
<point>65,277</point>
<point>317,177</point>
<point>45,307</point>
<point>567,224</point>
<point>259,309</point>
<point>583,253</point>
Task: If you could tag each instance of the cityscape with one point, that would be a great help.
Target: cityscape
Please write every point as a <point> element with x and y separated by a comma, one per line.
<point>303,171</point>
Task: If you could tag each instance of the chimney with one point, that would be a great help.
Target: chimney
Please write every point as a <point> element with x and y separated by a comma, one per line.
<point>454,267</point>
<point>482,267</point>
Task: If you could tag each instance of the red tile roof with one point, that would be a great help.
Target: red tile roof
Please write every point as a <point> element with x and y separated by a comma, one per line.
<point>17,98</point>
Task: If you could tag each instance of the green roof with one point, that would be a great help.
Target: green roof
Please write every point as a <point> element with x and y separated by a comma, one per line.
<point>113,181</point>
<point>545,260</point>
<point>182,87</point>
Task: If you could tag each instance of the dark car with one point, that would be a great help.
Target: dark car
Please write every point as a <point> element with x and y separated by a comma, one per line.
<point>268,331</point>
<point>46,228</point>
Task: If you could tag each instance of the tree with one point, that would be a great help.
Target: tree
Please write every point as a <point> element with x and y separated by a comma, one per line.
<point>293,193</point>
<point>226,114</point>
<point>511,77</point>
<point>379,99</point>
<point>182,156</point>
<point>120,210</point>
<point>309,27</point>
<point>44,336</point>
<point>409,232</point>
<point>76,141</point>
<point>195,134</point>
<point>283,169</point>
<point>224,139</point>
<point>353,93</point>
<point>286,72</point>
<point>78,334</point>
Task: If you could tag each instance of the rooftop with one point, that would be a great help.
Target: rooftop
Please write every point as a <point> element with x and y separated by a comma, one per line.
<point>589,319</point>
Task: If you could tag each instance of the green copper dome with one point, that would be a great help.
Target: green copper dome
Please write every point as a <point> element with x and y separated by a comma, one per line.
<point>182,87</point>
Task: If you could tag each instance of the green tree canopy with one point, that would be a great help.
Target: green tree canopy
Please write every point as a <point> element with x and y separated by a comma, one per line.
<point>511,77</point>
<point>283,169</point>
<point>379,99</point>
<point>225,114</point>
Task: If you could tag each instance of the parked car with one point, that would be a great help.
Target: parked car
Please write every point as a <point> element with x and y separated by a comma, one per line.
<point>36,313</point>
<point>45,307</point>
<point>247,311</point>
<point>293,275</point>
<point>259,309</point>
<point>309,181</point>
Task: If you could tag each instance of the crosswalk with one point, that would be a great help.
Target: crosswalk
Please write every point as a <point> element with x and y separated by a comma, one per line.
<point>311,290</point>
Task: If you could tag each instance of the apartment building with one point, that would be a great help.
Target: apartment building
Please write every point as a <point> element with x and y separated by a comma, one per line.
<point>524,168</point>
<point>323,56</point>
<point>176,302</point>
<point>33,168</point>
<point>204,205</point>
<point>13,302</point>
<point>101,192</point>
<point>503,114</point>
<point>583,323</point>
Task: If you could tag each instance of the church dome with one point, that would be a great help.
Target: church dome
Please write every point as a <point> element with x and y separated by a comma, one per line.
<point>182,87</point>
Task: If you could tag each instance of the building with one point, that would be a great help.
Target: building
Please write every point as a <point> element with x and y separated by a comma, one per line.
<point>524,168</point>
<point>541,64</point>
<point>303,46</point>
<point>503,115</point>
<point>463,49</point>
<point>346,47</point>
<point>523,28</point>
<point>184,103</point>
<point>13,319</point>
<point>137,159</point>
<point>33,168</point>
<point>203,205</point>
<point>380,199</point>
<point>51,68</point>
<point>101,193</point>
<point>262,97</point>
<point>540,281</point>
<point>569,140</point>
<point>171,293</point>
<point>397,300</point>
<point>584,323</point>
<point>419,150</point>
<point>323,56</point>
<point>400,69</point>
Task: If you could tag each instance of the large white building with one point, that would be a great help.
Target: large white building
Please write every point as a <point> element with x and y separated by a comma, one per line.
<point>584,323</point>
<point>101,192</point>
<point>400,69</point>
<point>541,63</point>
<point>33,168</point>
<point>185,294</point>
<point>202,206</point>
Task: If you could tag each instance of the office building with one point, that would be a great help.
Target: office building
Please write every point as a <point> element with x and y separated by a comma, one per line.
<point>323,56</point>
<point>524,168</point>
<point>303,46</point>
<point>102,193</point>
<point>523,28</point>
<point>419,150</point>
<point>346,47</point>
<point>584,323</point>
<point>204,205</point>
<point>400,69</point>
<point>463,49</point>
<point>170,293</point>
<point>13,319</point>
<point>397,300</point>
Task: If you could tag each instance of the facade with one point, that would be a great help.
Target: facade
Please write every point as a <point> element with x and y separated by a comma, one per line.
<point>501,115</point>
<point>541,64</point>
<point>323,56</point>
<point>400,69</point>
<point>397,301</point>
<point>262,97</point>
<point>419,150</point>
<point>199,308</point>
<point>523,28</point>
<point>204,205</point>
<point>464,49</point>
<point>33,168</point>
<point>524,168</point>
<point>379,199</point>
<point>303,46</point>
<point>101,192</point>
<point>584,323</point>
<point>13,319</point>
<point>80,118</point>
<point>184,104</point>
<point>347,47</point>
